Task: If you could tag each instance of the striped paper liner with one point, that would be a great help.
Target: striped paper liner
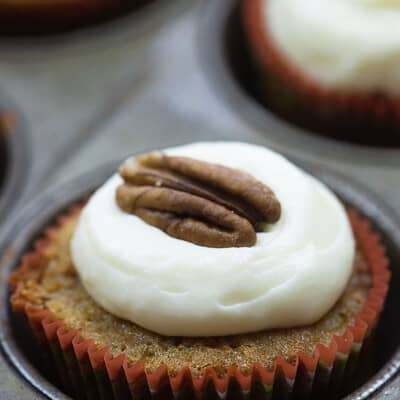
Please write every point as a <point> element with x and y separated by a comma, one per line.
<point>48,16</point>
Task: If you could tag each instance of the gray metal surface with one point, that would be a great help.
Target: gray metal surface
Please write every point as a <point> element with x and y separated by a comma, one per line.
<point>88,101</point>
<point>16,142</point>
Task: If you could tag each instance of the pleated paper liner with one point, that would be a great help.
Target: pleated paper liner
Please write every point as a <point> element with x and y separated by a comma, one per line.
<point>371,118</point>
<point>88,372</point>
<point>49,16</point>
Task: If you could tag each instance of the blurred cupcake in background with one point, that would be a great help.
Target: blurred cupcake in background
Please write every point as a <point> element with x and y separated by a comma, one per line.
<point>331,66</point>
<point>46,16</point>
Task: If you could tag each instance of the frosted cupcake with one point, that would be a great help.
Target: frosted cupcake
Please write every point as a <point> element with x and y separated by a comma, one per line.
<point>330,66</point>
<point>212,269</point>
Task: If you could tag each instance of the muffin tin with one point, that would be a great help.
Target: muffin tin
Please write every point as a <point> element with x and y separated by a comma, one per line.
<point>14,157</point>
<point>227,63</point>
<point>42,212</point>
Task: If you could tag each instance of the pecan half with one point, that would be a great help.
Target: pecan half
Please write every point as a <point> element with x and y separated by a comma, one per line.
<point>207,204</point>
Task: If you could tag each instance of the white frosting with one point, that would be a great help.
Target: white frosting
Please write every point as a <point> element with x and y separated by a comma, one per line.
<point>344,44</point>
<point>291,277</point>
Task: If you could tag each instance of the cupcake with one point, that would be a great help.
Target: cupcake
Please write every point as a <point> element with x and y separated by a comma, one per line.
<point>44,16</point>
<point>211,270</point>
<point>3,155</point>
<point>331,67</point>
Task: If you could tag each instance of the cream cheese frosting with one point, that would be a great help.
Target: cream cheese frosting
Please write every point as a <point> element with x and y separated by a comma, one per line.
<point>294,274</point>
<point>343,44</point>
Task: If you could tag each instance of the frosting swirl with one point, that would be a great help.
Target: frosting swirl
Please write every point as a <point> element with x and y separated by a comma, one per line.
<point>344,44</point>
<point>292,276</point>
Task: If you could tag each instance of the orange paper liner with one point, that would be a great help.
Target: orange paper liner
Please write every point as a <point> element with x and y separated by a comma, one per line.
<point>48,16</point>
<point>376,106</point>
<point>96,373</point>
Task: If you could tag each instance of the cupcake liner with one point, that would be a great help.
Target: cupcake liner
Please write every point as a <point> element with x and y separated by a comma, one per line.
<point>289,91</point>
<point>50,16</point>
<point>88,372</point>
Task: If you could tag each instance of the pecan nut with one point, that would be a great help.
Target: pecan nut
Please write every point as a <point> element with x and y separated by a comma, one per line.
<point>207,204</point>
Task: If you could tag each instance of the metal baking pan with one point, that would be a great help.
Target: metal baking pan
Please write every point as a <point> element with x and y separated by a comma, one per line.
<point>36,216</point>
<point>14,156</point>
<point>226,62</point>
